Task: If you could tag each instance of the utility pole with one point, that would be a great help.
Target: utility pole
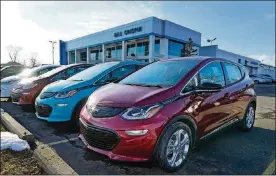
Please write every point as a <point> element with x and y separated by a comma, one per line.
<point>53,49</point>
<point>208,40</point>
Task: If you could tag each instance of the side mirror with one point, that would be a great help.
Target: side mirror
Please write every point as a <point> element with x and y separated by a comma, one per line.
<point>210,85</point>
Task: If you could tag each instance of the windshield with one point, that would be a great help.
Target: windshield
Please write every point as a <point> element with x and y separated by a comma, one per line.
<point>92,71</point>
<point>54,71</point>
<point>161,74</point>
<point>26,72</point>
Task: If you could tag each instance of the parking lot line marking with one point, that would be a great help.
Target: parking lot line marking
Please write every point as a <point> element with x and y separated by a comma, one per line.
<point>62,141</point>
<point>270,169</point>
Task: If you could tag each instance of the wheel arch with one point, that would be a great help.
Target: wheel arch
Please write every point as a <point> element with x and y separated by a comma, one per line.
<point>83,100</point>
<point>181,118</point>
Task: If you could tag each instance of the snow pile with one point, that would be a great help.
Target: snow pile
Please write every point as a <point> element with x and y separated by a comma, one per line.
<point>13,142</point>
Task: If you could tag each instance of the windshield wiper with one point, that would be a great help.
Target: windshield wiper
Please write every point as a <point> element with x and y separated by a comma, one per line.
<point>77,80</point>
<point>144,85</point>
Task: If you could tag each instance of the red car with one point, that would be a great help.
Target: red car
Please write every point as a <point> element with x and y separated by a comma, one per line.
<point>28,89</point>
<point>160,111</point>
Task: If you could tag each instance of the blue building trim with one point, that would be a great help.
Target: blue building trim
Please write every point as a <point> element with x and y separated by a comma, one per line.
<point>63,53</point>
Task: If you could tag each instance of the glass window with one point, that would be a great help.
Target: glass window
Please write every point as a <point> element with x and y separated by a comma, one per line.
<point>114,52</point>
<point>93,71</point>
<point>157,46</point>
<point>162,73</point>
<point>54,71</point>
<point>44,71</point>
<point>176,48</point>
<point>118,52</point>
<point>212,73</point>
<point>59,76</point>
<point>131,49</point>
<point>233,73</point>
<point>79,69</point>
<point>142,48</point>
<point>71,57</point>
<point>95,54</point>
<point>123,72</point>
<point>104,79</point>
<point>83,56</point>
<point>191,85</point>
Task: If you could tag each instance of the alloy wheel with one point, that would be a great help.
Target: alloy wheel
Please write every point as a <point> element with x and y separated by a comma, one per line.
<point>177,148</point>
<point>250,117</point>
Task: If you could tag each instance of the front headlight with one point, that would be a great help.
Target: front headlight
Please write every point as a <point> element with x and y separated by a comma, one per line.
<point>145,112</point>
<point>66,94</point>
<point>29,86</point>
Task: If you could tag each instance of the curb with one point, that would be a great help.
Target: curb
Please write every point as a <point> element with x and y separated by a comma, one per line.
<point>48,159</point>
<point>14,127</point>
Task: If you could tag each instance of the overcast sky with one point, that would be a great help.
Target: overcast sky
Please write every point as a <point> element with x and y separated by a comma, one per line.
<point>246,28</point>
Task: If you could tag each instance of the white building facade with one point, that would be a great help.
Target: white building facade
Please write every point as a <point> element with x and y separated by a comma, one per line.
<point>149,40</point>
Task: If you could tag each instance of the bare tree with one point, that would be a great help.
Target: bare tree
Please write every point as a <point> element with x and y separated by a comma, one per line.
<point>33,60</point>
<point>13,52</point>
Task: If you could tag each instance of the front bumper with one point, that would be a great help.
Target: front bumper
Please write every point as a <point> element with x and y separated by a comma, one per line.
<point>127,147</point>
<point>22,97</point>
<point>50,110</point>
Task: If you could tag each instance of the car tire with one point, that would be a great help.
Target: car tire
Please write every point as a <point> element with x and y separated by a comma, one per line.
<point>248,120</point>
<point>162,155</point>
<point>76,114</point>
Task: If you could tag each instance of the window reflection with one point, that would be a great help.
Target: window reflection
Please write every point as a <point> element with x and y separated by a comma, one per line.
<point>157,47</point>
<point>176,48</point>
<point>142,49</point>
<point>212,73</point>
<point>71,57</point>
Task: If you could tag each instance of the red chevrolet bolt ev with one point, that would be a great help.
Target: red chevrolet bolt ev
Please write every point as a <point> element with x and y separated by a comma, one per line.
<point>160,111</point>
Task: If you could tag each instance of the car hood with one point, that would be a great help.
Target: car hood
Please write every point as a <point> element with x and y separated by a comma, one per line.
<point>11,78</point>
<point>120,95</point>
<point>64,85</point>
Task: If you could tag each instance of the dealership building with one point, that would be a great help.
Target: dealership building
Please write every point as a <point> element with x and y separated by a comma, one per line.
<point>148,40</point>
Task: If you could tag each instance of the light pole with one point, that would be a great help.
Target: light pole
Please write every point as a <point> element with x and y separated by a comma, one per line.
<point>53,49</point>
<point>208,40</point>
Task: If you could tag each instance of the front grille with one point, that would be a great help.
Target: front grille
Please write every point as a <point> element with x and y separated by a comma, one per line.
<point>101,112</point>
<point>15,97</point>
<point>97,137</point>
<point>43,110</point>
<point>46,95</point>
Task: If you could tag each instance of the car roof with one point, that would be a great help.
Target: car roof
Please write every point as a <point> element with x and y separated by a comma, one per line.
<point>200,59</point>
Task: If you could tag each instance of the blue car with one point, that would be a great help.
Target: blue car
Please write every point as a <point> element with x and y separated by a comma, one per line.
<point>62,100</point>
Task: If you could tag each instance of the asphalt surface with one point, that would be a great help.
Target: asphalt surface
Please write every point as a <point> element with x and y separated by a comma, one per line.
<point>228,152</point>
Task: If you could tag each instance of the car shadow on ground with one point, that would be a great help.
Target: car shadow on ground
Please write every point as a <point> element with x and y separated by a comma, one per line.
<point>227,152</point>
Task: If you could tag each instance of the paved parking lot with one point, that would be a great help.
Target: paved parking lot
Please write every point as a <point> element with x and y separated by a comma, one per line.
<point>229,152</point>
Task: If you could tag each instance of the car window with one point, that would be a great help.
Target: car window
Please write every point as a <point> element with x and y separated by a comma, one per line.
<point>191,85</point>
<point>104,79</point>
<point>70,72</point>
<point>40,72</point>
<point>122,72</point>
<point>59,76</point>
<point>212,73</point>
<point>232,73</point>
<point>79,69</point>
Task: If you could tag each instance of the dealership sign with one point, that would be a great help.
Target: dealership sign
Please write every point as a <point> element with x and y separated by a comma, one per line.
<point>128,31</point>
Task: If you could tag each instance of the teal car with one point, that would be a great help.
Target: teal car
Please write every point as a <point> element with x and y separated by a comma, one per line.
<point>62,101</point>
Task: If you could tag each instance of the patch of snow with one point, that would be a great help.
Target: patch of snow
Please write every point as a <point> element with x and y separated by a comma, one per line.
<point>13,142</point>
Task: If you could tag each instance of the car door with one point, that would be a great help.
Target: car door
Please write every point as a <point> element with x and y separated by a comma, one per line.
<point>235,89</point>
<point>211,109</point>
